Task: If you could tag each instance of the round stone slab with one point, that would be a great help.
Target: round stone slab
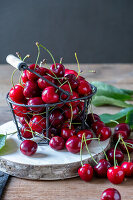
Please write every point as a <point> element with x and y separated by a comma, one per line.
<point>45,164</point>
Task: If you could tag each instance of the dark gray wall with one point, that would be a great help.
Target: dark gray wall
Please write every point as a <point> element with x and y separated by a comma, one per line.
<point>101,31</point>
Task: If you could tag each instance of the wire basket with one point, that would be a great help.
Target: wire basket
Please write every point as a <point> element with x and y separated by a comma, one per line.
<point>48,119</point>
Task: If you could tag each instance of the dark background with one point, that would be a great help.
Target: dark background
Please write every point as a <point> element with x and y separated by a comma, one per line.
<point>100,31</point>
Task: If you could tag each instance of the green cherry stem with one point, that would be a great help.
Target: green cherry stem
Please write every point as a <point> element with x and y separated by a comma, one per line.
<point>19,56</point>
<point>126,149</point>
<point>115,151</point>
<point>114,121</point>
<point>38,54</point>
<point>102,149</point>
<point>78,65</point>
<point>11,133</point>
<point>61,59</point>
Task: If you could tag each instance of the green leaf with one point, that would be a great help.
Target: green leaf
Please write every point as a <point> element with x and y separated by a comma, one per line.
<point>129,119</point>
<point>104,89</point>
<point>106,118</point>
<point>2,141</point>
<point>103,100</point>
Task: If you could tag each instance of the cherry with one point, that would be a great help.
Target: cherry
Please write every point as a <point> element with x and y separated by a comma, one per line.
<point>127,168</point>
<point>116,135</point>
<point>67,125</point>
<point>57,143</point>
<point>84,88</point>
<point>26,131</point>
<point>104,133</point>
<point>67,132</point>
<point>80,78</point>
<point>123,127</point>
<point>36,101</point>
<point>68,71</point>
<point>16,94</point>
<point>49,95</point>
<point>115,175</point>
<point>91,118</point>
<point>74,96</point>
<point>20,111</point>
<point>65,87</point>
<point>30,75</point>
<point>119,157</point>
<point>56,118</point>
<point>129,146</point>
<point>24,77</point>
<point>24,120</point>
<point>96,125</point>
<point>101,168</point>
<point>38,123</point>
<point>111,194</point>
<point>28,147</point>
<point>88,135</point>
<point>73,144</point>
<point>72,80</point>
<point>70,113</point>
<point>86,172</point>
<point>31,89</point>
<point>58,70</point>
<point>81,106</point>
<point>43,84</point>
<point>44,71</point>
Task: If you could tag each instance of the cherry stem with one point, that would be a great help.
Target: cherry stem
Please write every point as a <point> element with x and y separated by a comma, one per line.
<point>11,133</point>
<point>81,149</point>
<point>61,85</point>
<point>102,149</point>
<point>114,121</point>
<point>27,56</point>
<point>78,65</point>
<point>70,87</point>
<point>30,129</point>
<point>54,77</point>
<point>126,149</point>
<point>13,76</point>
<point>38,55</point>
<point>43,62</point>
<point>19,56</point>
<point>61,59</point>
<point>115,151</point>
<point>89,150</point>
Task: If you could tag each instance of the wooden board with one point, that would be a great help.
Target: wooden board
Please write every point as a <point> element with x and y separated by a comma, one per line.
<point>46,164</point>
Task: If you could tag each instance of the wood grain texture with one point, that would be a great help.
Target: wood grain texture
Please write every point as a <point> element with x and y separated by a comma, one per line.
<point>119,75</point>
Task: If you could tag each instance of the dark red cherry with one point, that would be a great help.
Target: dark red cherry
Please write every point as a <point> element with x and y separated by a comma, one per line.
<point>73,144</point>
<point>26,131</point>
<point>101,168</point>
<point>116,135</point>
<point>81,106</point>
<point>67,124</point>
<point>70,113</point>
<point>36,101</point>
<point>56,118</point>
<point>28,147</point>
<point>67,133</point>
<point>43,84</point>
<point>96,125</point>
<point>88,135</point>
<point>68,71</point>
<point>111,194</point>
<point>84,88</point>
<point>123,127</point>
<point>127,168</point>
<point>44,71</point>
<point>80,78</point>
<point>30,75</point>
<point>49,95</point>
<point>104,133</point>
<point>72,80</point>
<point>65,87</point>
<point>31,89</point>
<point>20,111</point>
<point>129,144</point>
<point>38,123</point>
<point>91,118</point>
<point>119,156</point>
<point>16,94</point>
<point>86,172</point>
<point>72,97</point>
<point>24,120</point>
<point>115,175</point>
<point>57,143</point>
<point>58,70</point>
<point>24,77</point>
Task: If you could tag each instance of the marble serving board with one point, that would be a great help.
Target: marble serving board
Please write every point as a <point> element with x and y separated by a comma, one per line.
<point>46,163</point>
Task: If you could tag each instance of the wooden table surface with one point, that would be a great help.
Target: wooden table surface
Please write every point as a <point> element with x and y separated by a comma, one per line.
<point>120,75</point>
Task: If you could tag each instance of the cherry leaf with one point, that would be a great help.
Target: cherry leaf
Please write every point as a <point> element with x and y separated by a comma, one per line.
<point>2,141</point>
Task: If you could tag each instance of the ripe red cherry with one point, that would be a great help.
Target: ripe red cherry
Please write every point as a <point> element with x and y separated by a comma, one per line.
<point>123,127</point>
<point>49,95</point>
<point>31,89</point>
<point>91,118</point>
<point>26,131</point>
<point>73,144</point>
<point>84,88</point>
<point>67,133</point>
<point>88,135</point>
<point>57,143</point>
<point>24,120</point>
<point>65,87</point>
<point>56,118</point>
<point>101,168</point>
<point>96,125</point>
<point>127,168</point>
<point>43,84</point>
<point>20,111</point>
<point>111,194</point>
<point>72,80</point>
<point>116,135</point>
<point>104,133</point>
<point>58,70</point>
<point>24,76</point>
<point>68,71</point>
<point>74,96</point>
<point>70,113</point>
<point>130,148</point>
<point>67,125</point>
<point>115,175</point>
<point>81,106</point>
<point>16,94</point>
<point>30,75</point>
<point>86,172</point>
<point>38,123</point>
<point>44,71</point>
<point>36,101</point>
<point>28,147</point>
<point>119,156</point>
